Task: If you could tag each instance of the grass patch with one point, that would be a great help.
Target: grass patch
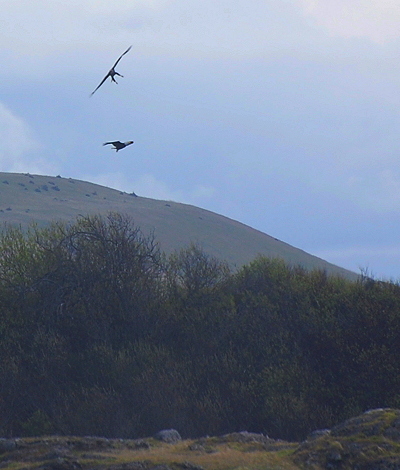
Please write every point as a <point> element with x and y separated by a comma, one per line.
<point>223,457</point>
<point>96,453</point>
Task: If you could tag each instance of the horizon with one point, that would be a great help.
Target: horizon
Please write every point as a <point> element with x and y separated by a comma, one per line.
<point>41,199</point>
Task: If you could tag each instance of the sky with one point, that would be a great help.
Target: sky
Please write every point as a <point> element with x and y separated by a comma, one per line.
<point>281,114</point>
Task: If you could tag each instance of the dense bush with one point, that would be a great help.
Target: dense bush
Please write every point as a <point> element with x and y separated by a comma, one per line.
<point>100,333</point>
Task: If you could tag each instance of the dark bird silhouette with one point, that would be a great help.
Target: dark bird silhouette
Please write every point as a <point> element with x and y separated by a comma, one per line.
<point>112,72</point>
<point>119,145</point>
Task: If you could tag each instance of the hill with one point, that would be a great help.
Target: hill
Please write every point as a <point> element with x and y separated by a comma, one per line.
<point>25,198</point>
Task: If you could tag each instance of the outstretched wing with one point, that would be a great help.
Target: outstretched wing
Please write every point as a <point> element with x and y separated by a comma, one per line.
<point>108,75</point>
<point>120,57</point>
<point>101,83</point>
<point>112,143</point>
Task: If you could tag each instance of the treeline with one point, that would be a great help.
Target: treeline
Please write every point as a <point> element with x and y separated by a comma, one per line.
<point>101,334</point>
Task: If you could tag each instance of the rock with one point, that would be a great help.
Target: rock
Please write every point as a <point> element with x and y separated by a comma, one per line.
<point>130,466</point>
<point>378,422</point>
<point>318,433</point>
<point>6,445</point>
<point>168,435</point>
<point>245,436</point>
<point>61,464</point>
<point>141,444</point>
<point>391,463</point>
<point>393,431</point>
<point>56,454</point>
<point>197,447</point>
<point>369,441</point>
<point>189,466</point>
<point>334,458</point>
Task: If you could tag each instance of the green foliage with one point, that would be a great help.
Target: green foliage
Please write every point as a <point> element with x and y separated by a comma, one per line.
<point>37,424</point>
<point>102,334</point>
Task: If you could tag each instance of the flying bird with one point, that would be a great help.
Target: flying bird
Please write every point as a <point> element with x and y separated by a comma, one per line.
<point>119,145</point>
<point>112,72</point>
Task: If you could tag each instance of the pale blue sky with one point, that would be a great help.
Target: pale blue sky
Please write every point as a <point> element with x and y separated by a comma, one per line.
<point>281,114</point>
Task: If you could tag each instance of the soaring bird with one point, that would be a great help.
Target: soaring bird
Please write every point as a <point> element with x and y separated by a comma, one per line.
<point>112,72</point>
<point>119,145</point>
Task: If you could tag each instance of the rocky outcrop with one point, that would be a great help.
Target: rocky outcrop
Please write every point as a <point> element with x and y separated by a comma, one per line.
<point>370,441</point>
<point>168,435</point>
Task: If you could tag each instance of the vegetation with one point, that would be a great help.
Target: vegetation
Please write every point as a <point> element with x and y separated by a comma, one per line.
<point>25,197</point>
<point>369,441</point>
<point>72,453</point>
<point>102,334</point>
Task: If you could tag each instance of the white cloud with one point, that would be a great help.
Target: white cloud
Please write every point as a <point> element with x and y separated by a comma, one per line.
<point>15,137</point>
<point>43,27</point>
<point>45,30</point>
<point>376,20</point>
<point>17,146</point>
<point>168,27</point>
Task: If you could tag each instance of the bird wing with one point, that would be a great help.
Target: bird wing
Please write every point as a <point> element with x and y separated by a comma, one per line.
<point>120,57</point>
<point>105,78</point>
<point>101,83</point>
<point>112,143</point>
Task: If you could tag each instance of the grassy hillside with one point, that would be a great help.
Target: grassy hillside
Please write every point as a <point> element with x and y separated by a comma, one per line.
<point>25,198</point>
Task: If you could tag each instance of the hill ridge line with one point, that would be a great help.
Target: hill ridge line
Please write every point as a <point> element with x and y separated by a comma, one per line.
<point>25,197</point>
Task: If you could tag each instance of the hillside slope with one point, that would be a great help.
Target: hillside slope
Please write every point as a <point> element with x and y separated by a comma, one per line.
<point>25,198</point>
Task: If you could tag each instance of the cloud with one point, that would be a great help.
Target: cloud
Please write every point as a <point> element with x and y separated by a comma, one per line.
<point>376,20</point>
<point>15,137</point>
<point>41,28</point>
<point>168,27</point>
<point>18,145</point>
